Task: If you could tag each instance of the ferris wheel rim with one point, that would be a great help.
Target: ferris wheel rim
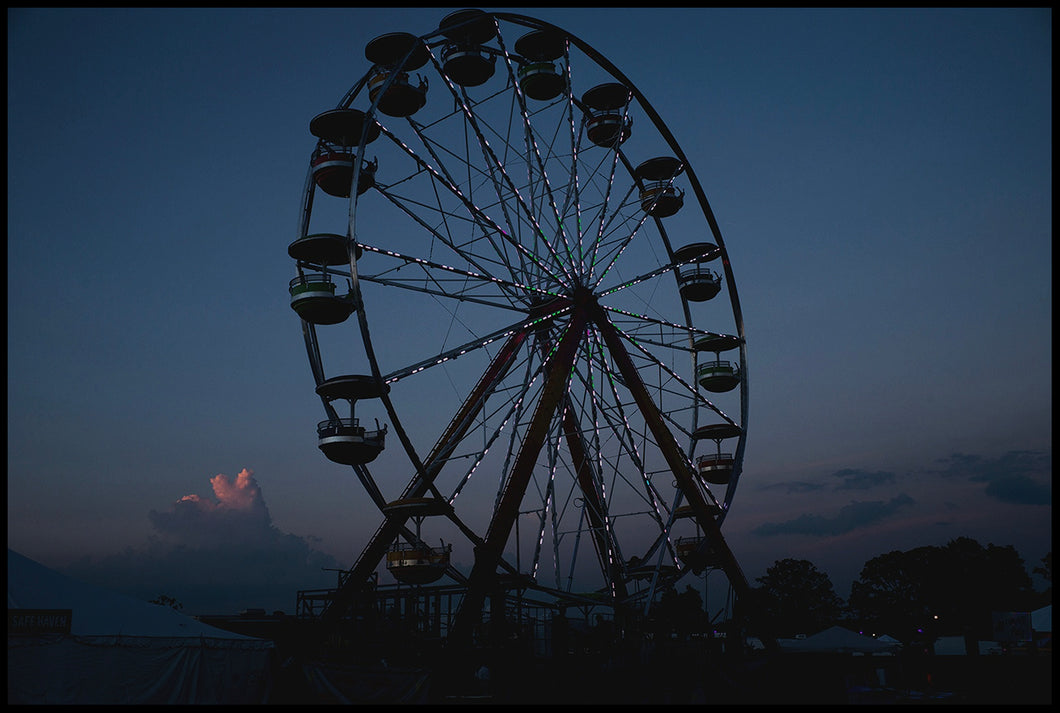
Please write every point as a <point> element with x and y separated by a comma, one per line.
<point>355,276</point>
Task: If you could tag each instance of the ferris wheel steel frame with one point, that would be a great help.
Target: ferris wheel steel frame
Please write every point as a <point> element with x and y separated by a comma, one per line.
<point>582,310</point>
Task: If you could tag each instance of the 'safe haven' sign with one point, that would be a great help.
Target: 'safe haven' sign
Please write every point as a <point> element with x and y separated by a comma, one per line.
<point>39,621</point>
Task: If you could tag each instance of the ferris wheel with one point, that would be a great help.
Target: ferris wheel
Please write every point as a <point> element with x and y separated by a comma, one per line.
<point>520,317</point>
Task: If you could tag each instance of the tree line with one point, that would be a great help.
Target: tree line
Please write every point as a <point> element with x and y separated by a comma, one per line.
<point>918,594</point>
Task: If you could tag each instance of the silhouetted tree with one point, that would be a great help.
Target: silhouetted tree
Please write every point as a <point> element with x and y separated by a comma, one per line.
<point>890,594</point>
<point>1045,571</point>
<point>930,591</point>
<point>167,601</point>
<point>793,598</point>
<point>681,613</point>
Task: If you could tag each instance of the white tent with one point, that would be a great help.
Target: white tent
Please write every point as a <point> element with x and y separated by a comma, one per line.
<point>958,646</point>
<point>1042,620</point>
<point>836,639</point>
<point>69,642</point>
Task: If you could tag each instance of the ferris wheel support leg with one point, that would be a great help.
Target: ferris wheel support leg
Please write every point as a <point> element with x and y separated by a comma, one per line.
<point>488,553</point>
<point>373,553</point>
<point>675,459</point>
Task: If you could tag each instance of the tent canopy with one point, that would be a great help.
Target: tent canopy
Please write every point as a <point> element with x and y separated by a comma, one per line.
<point>837,639</point>
<point>98,611</point>
<point>70,642</point>
<point>1042,620</point>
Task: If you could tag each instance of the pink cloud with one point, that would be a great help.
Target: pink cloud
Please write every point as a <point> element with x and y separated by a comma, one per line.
<point>237,513</point>
<point>218,553</point>
<point>243,494</point>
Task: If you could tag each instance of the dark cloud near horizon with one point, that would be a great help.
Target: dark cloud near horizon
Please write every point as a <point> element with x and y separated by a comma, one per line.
<point>1015,477</point>
<point>1020,490</point>
<point>216,556</point>
<point>850,517</point>
<point>855,479</point>
<point>793,486</point>
<point>981,469</point>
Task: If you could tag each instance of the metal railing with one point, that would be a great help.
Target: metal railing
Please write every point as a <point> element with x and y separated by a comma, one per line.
<point>348,427</point>
<point>715,459</point>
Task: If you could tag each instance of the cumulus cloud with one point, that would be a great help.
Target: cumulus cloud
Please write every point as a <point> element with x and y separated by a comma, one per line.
<point>237,515</point>
<point>217,555</point>
<point>850,517</point>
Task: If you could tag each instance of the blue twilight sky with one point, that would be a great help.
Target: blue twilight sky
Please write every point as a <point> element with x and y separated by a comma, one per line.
<point>882,179</point>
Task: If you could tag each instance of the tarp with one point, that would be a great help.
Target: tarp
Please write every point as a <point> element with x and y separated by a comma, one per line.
<point>1042,620</point>
<point>958,646</point>
<point>70,642</point>
<point>837,639</point>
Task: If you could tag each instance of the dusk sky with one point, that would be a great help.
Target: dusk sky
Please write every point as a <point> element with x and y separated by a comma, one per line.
<point>882,178</point>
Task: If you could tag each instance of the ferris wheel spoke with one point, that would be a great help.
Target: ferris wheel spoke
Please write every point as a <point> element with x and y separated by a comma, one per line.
<point>522,264</point>
<point>643,492</point>
<point>500,187</point>
<point>645,213</point>
<point>473,258</point>
<point>687,390</point>
<point>466,277</point>
<point>517,397</point>
<point>588,480</point>
<point>603,212</point>
<point>497,200</point>
<point>483,252</point>
<point>671,336</point>
<point>655,417</point>
<point>573,198</point>
<point>616,427</point>
<point>625,430</point>
<point>533,149</point>
<point>616,249</point>
<point>530,135</point>
<point>656,510</point>
<point>450,354</point>
<point>465,158</point>
<point>503,182</point>
<point>608,232</point>
<point>640,278</point>
<point>685,330</point>
<point>484,221</point>
<point>573,113</point>
<point>416,285</point>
